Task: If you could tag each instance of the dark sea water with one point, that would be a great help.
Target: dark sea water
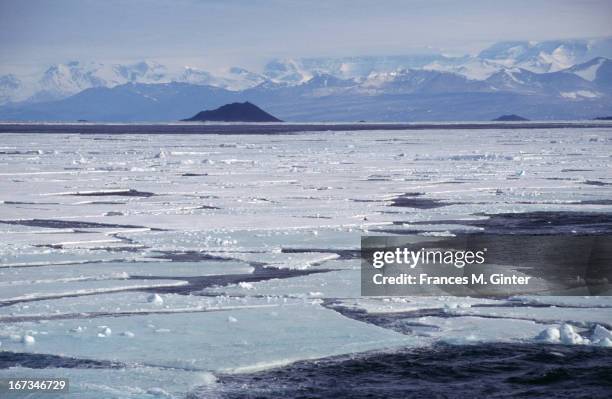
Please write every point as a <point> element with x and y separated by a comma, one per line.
<point>444,371</point>
<point>276,128</point>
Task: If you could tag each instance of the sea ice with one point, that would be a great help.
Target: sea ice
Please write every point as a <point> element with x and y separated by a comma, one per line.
<point>87,243</point>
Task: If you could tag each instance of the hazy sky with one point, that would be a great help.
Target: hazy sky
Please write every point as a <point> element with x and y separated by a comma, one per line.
<point>220,33</point>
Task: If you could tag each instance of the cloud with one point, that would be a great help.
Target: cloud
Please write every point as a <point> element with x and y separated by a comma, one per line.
<point>248,32</point>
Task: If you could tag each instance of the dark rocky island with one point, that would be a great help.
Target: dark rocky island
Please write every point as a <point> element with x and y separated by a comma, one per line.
<point>234,112</point>
<point>603,118</point>
<point>510,118</point>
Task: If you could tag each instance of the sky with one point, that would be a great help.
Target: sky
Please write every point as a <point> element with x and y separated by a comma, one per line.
<point>217,33</point>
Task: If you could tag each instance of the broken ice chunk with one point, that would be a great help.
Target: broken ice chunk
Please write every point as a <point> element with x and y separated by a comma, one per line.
<point>550,335</point>
<point>570,337</point>
<point>28,339</point>
<point>602,336</point>
<point>104,331</point>
<point>155,299</point>
<point>246,286</point>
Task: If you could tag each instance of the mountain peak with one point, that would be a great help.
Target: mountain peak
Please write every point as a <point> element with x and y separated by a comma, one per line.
<point>590,70</point>
<point>234,112</point>
<point>510,118</point>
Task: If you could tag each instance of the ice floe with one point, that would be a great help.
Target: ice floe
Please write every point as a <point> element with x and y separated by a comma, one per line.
<point>179,256</point>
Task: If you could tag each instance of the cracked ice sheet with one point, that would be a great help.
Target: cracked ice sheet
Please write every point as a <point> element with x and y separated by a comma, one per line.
<point>165,215</point>
<point>260,246</point>
<point>129,302</point>
<point>89,240</point>
<point>128,383</point>
<point>410,304</point>
<point>27,255</point>
<point>336,284</point>
<point>421,167</point>
<point>290,188</point>
<point>570,301</point>
<point>300,261</point>
<point>555,315</point>
<point>237,340</point>
<point>226,240</point>
<point>118,270</point>
<point>57,289</point>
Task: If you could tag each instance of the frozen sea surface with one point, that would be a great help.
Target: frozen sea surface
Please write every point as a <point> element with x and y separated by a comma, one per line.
<point>144,266</point>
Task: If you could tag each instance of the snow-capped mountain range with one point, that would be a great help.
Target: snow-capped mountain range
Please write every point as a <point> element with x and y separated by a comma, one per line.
<point>548,80</point>
<point>63,80</point>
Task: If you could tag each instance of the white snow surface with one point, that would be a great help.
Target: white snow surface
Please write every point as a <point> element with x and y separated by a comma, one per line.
<point>103,280</point>
<point>590,72</point>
